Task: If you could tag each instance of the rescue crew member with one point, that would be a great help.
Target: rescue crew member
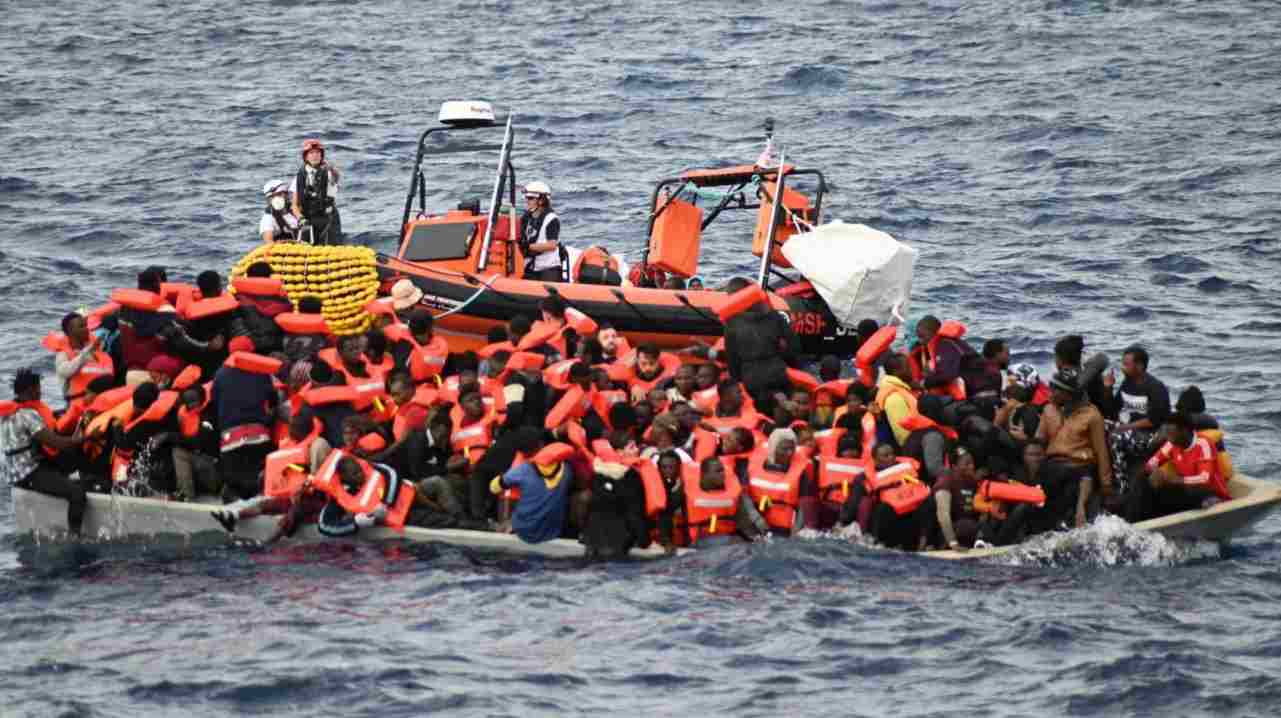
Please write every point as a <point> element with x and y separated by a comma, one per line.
<point>25,428</point>
<point>547,260</point>
<point>278,224</point>
<point>315,193</point>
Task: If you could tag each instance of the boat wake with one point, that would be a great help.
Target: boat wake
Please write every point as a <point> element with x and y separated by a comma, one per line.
<point>1108,541</point>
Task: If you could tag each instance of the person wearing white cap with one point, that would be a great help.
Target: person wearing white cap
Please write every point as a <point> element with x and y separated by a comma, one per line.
<point>546,259</point>
<point>278,224</point>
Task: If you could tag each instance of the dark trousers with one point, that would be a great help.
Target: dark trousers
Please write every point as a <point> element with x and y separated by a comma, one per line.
<point>1145,502</point>
<point>546,275</point>
<point>48,480</point>
<point>1061,481</point>
<point>242,471</point>
<point>325,229</point>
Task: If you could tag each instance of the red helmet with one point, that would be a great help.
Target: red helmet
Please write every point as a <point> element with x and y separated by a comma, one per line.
<point>309,145</point>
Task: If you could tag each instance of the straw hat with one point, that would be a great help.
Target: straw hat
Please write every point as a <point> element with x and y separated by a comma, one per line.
<point>405,294</point>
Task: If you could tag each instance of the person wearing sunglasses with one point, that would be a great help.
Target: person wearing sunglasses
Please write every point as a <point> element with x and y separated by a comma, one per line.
<point>546,258</point>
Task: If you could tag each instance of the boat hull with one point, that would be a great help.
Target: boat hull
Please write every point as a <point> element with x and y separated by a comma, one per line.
<point>116,517</point>
<point>1252,499</point>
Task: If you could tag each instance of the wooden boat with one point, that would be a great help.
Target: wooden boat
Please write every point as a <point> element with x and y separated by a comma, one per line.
<point>118,517</point>
<point>113,517</point>
<point>470,265</point>
<point>1252,499</point>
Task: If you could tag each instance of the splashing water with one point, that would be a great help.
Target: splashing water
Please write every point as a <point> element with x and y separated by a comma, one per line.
<point>1108,541</point>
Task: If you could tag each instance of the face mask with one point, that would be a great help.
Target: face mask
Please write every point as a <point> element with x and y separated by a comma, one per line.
<point>277,203</point>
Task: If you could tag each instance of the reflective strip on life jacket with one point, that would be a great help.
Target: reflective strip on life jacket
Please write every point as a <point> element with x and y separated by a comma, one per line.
<point>711,513</point>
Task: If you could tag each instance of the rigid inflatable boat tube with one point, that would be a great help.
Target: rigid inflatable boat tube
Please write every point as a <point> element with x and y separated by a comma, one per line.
<point>741,301</point>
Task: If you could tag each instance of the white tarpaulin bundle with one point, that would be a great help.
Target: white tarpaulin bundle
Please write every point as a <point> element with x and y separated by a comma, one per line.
<point>862,273</point>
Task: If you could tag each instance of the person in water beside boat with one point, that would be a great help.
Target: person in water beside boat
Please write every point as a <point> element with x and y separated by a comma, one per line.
<point>315,197</point>
<point>546,259</point>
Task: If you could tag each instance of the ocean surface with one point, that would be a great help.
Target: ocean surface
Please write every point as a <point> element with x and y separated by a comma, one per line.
<point>1104,168</point>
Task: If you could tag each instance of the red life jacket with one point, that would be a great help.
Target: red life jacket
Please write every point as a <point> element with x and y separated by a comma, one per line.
<point>99,365</point>
<point>776,493</point>
<point>711,513</point>
<point>425,361</point>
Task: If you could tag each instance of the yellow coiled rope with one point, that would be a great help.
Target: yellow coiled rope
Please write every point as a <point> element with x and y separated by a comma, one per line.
<point>345,279</point>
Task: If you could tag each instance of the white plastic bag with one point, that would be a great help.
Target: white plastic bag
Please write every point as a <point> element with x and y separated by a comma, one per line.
<point>862,273</point>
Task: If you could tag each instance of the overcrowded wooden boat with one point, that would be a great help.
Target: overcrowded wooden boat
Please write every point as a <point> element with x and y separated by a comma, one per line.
<point>122,517</point>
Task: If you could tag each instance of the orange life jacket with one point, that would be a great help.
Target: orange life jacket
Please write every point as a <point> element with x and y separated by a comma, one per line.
<point>259,286</point>
<point>365,500</point>
<point>573,406</point>
<point>544,333</point>
<point>159,409</point>
<point>711,513</point>
<point>948,330</point>
<point>827,439</point>
<point>655,491</point>
<point>871,350</point>
<point>836,476</point>
<point>140,299</point>
<point>425,361</point>
<point>9,408</point>
<point>917,422</point>
<point>668,364</point>
<point>557,375</point>
<point>467,438</point>
<point>286,471</point>
<point>189,419</point>
<point>254,363</point>
<point>603,267</point>
<point>381,369</point>
<point>904,470</point>
<point>298,323</point>
<point>99,365</point>
<point>211,307</point>
<point>776,493</point>
<point>802,380</point>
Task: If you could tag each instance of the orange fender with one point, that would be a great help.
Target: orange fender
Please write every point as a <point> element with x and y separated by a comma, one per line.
<point>741,301</point>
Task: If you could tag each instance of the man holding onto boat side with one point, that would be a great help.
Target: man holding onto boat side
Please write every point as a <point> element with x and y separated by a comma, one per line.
<point>26,431</point>
<point>540,236</point>
<point>544,496</point>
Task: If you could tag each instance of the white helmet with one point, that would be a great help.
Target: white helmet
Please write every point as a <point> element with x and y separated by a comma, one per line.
<point>539,187</point>
<point>275,187</point>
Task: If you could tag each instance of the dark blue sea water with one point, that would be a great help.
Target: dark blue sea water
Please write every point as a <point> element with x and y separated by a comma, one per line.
<point>1108,168</point>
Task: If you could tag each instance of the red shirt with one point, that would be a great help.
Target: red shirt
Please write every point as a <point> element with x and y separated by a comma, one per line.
<point>1198,464</point>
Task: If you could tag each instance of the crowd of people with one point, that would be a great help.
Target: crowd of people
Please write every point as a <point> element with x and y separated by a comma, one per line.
<point>559,427</point>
